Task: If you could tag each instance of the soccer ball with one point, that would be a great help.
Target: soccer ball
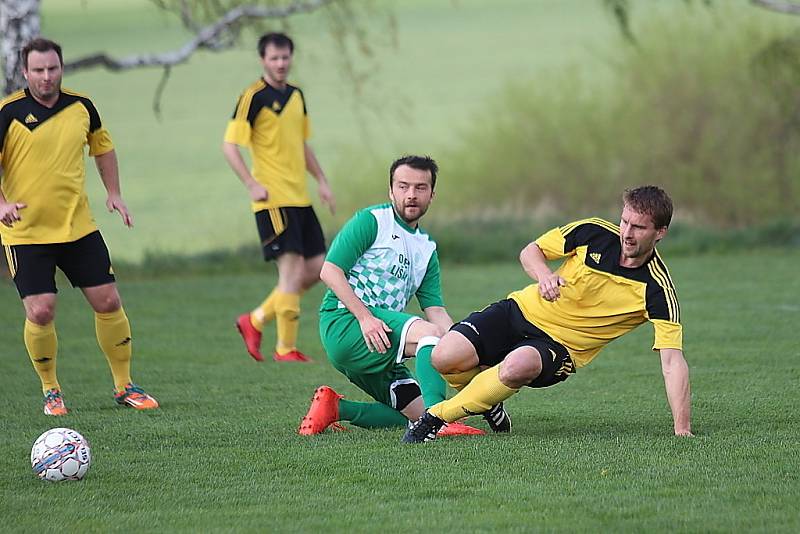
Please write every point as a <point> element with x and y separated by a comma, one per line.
<point>61,454</point>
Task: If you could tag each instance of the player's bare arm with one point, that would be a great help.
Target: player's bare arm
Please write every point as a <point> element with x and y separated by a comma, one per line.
<point>534,264</point>
<point>324,188</point>
<point>676,381</point>
<point>108,168</point>
<point>9,211</point>
<point>258,193</point>
<point>438,315</point>
<point>373,329</point>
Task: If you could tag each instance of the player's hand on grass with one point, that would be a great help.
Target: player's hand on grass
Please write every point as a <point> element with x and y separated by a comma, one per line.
<point>326,196</point>
<point>258,192</point>
<point>115,203</point>
<point>9,212</point>
<point>374,331</point>
<point>550,287</point>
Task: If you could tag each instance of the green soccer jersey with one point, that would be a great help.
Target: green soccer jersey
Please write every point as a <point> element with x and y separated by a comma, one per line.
<point>385,261</point>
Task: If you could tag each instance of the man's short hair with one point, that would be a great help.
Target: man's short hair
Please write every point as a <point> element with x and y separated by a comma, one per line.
<point>421,163</point>
<point>278,40</point>
<point>651,200</point>
<point>40,44</point>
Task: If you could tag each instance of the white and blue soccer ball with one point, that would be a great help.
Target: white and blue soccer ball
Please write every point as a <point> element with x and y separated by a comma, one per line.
<point>61,454</point>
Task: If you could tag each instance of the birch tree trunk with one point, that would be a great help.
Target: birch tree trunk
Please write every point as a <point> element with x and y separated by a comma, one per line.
<point>20,22</point>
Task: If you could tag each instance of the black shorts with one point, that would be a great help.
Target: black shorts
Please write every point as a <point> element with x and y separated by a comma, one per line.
<point>290,230</point>
<point>500,328</point>
<point>86,263</point>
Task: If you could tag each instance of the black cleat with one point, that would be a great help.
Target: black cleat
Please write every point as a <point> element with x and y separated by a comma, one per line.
<point>423,429</point>
<point>498,418</point>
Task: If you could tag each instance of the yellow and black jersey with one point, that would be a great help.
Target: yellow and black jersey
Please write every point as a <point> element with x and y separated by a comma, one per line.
<point>274,125</point>
<point>41,153</point>
<point>602,300</point>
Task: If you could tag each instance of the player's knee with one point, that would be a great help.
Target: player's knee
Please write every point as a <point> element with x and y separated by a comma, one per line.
<point>450,356</point>
<point>403,393</point>
<point>520,368</point>
<point>108,303</point>
<point>291,283</point>
<point>308,283</point>
<point>310,280</point>
<point>41,314</point>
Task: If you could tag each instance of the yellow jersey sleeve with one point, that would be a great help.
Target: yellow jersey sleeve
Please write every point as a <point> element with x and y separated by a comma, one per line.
<point>306,128</point>
<point>99,142</point>
<point>552,244</point>
<point>668,335</point>
<point>238,132</point>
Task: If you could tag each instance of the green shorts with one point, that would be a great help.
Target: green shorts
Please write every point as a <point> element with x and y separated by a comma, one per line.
<point>376,374</point>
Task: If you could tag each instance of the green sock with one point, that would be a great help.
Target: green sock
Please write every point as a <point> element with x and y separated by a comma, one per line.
<point>433,386</point>
<point>370,414</point>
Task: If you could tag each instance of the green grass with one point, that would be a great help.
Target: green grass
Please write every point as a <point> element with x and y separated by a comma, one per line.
<point>593,454</point>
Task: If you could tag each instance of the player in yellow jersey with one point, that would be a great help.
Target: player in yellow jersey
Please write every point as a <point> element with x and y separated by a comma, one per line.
<point>271,120</point>
<point>611,280</point>
<point>46,222</point>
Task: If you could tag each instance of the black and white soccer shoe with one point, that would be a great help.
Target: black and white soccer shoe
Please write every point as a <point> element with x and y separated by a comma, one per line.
<point>498,419</point>
<point>423,429</point>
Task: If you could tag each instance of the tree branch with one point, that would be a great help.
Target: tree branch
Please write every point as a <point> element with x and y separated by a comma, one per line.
<point>208,37</point>
<point>781,6</point>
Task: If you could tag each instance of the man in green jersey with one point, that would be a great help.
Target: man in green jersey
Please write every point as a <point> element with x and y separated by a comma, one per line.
<point>378,261</point>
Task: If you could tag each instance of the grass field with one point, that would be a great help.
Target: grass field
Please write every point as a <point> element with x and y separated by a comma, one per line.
<point>593,454</point>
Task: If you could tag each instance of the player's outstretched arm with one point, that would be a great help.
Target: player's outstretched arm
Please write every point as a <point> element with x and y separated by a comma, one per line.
<point>258,193</point>
<point>373,329</point>
<point>108,168</point>
<point>676,381</point>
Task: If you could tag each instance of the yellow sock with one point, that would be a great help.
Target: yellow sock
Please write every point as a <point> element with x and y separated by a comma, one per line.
<point>42,345</point>
<point>483,392</point>
<point>287,315</point>
<point>114,337</point>
<point>265,312</point>
<point>457,381</point>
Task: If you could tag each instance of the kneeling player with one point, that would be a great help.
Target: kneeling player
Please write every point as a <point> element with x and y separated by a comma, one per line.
<point>376,263</point>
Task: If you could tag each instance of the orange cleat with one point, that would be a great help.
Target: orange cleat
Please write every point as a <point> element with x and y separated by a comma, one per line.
<point>251,336</point>
<point>457,428</point>
<point>54,403</point>
<point>135,397</point>
<point>324,412</point>
<point>291,356</point>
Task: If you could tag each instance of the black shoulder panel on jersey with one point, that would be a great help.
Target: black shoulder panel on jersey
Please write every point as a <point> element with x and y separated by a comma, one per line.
<point>22,109</point>
<point>662,299</point>
<point>248,99</point>
<point>5,122</point>
<point>6,115</point>
<point>258,101</point>
<point>302,97</point>
<point>31,113</point>
<point>94,116</point>
<point>586,231</point>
